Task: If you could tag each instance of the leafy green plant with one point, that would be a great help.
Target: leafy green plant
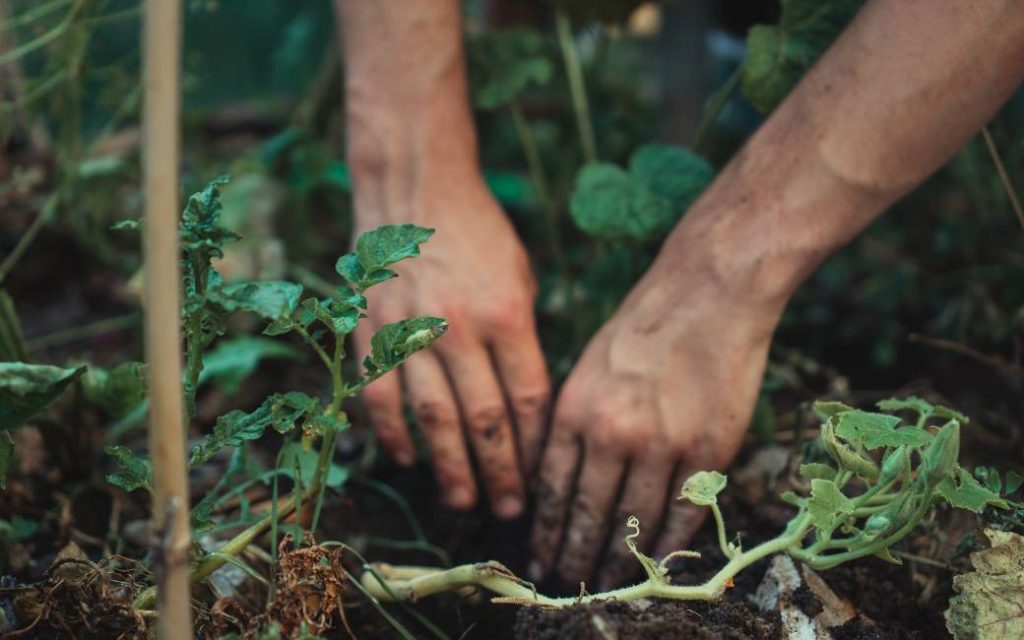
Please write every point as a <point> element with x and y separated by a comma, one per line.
<point>881,477</point>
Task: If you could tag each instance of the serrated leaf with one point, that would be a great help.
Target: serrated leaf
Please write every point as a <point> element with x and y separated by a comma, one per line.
<point>393,343</point>
<point>117,391</point>
<point>827,505</point>
<point>910,403</point>
<point>817,470</point>
<point>281,411</point>
<point>377,249</point>
<point>875,430</point>
<point>674,173</point>
<point>965,492</point>
<point>6,456</point>
<point>271,300</point>
<point>843,455</point>
<point>779,55</point>
<point>133,472</point>
<point>232,361</point>
<point>989,604</point>
<point>502,64</point>
<point>703,487</point>
<point>27,389</point>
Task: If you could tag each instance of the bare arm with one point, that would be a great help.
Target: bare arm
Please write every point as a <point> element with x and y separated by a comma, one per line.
<point>412,152</point>
<point>668,385</point>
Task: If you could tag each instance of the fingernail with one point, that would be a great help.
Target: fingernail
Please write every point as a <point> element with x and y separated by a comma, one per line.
<point>509,507</point>
<point>459,498</point>
<point>535,571</point>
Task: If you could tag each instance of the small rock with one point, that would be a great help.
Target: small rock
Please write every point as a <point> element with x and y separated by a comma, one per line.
<point>809,608</point>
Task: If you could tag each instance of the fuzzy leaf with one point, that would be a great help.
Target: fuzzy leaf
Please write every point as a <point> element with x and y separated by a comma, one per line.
<point>6,456</point>
<point>965,492</point>
<point>117,391</point>
<point>703,487</point>
<point>825,409</point>
<point>133,471</point>
<point>26,389</point>
<point>938,461</point>
<point>674,173</point>
<point>989,604</point>
<point>817,470</point>
<point>843,455</point>
<point>875,430</point>
<point>377,249</point>
<point>502,64</point>
<point>232,361</point>
<point>779,55</point>
<point>827,506</point>
<point>393,343</point>
<point>910,403</point>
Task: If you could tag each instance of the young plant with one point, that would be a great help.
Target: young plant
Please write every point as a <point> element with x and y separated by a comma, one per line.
<point>879,477</point>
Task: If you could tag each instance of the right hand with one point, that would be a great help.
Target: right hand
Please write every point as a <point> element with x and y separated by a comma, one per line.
<point>485,382</point>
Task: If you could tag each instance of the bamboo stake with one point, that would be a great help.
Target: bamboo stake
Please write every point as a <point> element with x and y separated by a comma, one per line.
<point>160,151</point>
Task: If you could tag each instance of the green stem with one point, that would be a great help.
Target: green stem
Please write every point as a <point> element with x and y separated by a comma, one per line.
<point>42,218</point>
<point>714,108</point>
<point>308,339</point>
<point>323,463</point>
<point>1004,177</point>
<point>727,549</point>
<point>411,584</point>
<point>85,331</point>
<point>577,88</point>
<point>540,186</point>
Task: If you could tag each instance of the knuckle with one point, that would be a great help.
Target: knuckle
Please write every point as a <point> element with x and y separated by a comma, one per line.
<point>486,421</point>
<point>434,414</point>
<point>529,403</point>
<point>376,396</point>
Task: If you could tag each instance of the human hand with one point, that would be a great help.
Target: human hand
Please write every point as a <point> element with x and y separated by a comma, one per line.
<point>487,375</point>
<point>665,389</point>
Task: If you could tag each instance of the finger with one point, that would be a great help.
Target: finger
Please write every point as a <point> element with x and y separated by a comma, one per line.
<point>558,467</point>
<point>644,496</point>
<point>524,376</point>
<point>482,405</point>
<point>437,415</point>
<point>589,515</point>
<point>383,400</point>
<point>682,518</point>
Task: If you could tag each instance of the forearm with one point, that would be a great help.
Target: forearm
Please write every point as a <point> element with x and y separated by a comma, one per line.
<point>902,90</point>
<point>407,114</point>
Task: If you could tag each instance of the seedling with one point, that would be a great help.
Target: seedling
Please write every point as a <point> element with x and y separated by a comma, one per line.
<point>880,477</point>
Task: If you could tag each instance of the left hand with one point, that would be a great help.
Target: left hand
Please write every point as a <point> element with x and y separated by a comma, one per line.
<point>665,389</point>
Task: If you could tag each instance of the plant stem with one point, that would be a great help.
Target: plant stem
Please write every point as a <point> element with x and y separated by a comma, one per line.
<point>1004,177</point>
<point>85,331</point>
<point>727,549</point>
<point>714,108</point>
<point>577,88</point>
<point>44,216</point>
<point>419,582</point>
<point>540,186</point>
<point>161,121</point>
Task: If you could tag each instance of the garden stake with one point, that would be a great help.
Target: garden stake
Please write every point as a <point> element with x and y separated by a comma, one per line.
<point>160,151</point>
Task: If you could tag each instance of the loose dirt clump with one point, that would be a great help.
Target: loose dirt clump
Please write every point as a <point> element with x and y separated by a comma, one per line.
<point>664,620</point>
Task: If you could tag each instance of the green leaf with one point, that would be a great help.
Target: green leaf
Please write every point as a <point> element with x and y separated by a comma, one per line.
<point>967,493</point>
<point>393,343</point>
<point>817,471</point>
<point>117,391</point>
<point>295,454</point>
<point>875,430</point>
<point>910,403</point>
<point>281,411</point>
<point>779,55</point>
<point>133,471</point>
<point>825,409</point>
<point>271,300</point>
<point>127,225</point>
<point>827,505</point>
<point>6,456</point>
<point>340,318</point>
<point>377,249</point>
<point>232,361</point>
<point>1013,482</point>
<point>989,604</point>
<point>674,173</point>
<point>200,222</point>
<point>843,455</point>
<point>609,204</point>
<point>703,487</point>
<point>502,64</point>
<point>26,389</point>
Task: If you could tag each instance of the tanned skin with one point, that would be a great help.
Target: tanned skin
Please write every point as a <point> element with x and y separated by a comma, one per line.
<point>668,385</point>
